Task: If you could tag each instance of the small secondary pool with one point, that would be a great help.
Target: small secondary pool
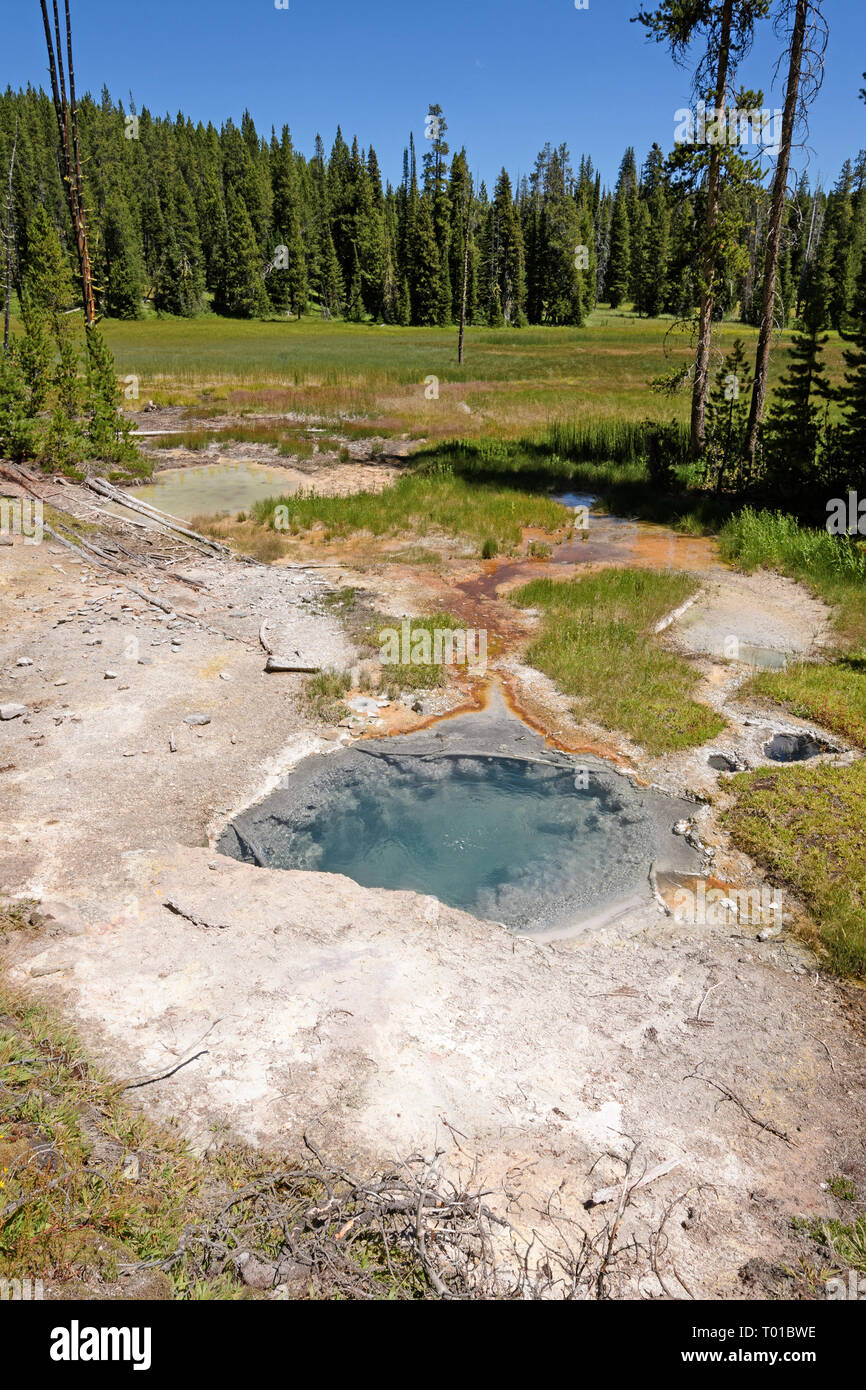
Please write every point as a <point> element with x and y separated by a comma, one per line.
<point>527,838</point>
<point>212,489</point>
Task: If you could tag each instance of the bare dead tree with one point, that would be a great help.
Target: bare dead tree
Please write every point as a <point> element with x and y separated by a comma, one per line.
<point>700,386</point>
<point>469,227</point>
<point>9,238</point>
<point>66,110</point>
<point>805,73</point>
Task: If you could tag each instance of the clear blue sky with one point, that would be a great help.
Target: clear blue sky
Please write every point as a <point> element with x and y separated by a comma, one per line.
<point>509,74</point>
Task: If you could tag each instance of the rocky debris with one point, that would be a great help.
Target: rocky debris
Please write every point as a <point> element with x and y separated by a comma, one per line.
<point>24,661</point>
<point>197,719</point>
<point>292,1279</point>
<point>12,711</point>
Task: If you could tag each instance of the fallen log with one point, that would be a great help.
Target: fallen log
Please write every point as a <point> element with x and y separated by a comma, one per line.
<point>115,569</point>
<point>290,663</point>
<point>123,499</point>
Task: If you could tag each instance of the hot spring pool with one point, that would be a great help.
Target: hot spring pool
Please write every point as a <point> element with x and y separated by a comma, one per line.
<point>503,828</point>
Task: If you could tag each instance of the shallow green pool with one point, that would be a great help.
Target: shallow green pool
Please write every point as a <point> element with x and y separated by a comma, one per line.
<point>213,489</point>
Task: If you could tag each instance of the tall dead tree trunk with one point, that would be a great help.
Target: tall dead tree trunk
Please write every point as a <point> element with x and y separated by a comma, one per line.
<point>774,230</point>
<point>701,385</point>
<point>66,110</point>
<point>466,240</point>
<point>810,242</point>
<point>9,237</point>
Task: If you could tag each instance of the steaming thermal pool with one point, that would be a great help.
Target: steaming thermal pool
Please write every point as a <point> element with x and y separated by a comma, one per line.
<point>477,813</point>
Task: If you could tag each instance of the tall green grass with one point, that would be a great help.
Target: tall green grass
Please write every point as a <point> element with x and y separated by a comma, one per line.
<point>597,645</point>
<point>611,440</point>
<point>805,826</point>
<point>774,540</point>
<point>604,458</point>
<point>420,503</point>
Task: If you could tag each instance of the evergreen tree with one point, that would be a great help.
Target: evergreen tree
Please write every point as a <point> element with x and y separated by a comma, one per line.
<point>240,288</point>
<point>35,352</point>
<point>123,267</point>
<point>371,252</point>
<point>639,245</point>
<point>655,270</point>
<point>838,227</point>
<point>48,285</point>
<point>464,217</point>
<point>502,259</point>
<point>728,416</point>
<point>108,432</point>
<point>619,262</point>
<point>794,429</point>
<point>287,284</point>
<point>331,289</point>
<point>18,431</point>
<point>436,192</point>
<point>851,438</point>
<point>423,262</point>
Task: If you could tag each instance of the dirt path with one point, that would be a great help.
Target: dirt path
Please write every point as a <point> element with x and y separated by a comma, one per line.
<point>383,1022</point>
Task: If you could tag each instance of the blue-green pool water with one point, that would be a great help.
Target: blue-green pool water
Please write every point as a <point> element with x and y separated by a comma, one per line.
<point>519,842</point>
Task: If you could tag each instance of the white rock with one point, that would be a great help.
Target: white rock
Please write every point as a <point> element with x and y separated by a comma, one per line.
<point>769,933</point>
<point>131,1168</point>
<point>49,967</point>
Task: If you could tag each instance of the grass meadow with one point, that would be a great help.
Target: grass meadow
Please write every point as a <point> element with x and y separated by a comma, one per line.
<point>513,382</point>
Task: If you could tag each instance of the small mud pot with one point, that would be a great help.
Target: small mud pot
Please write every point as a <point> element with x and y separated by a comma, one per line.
<point>213,489</point>
<point>476,812</point>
